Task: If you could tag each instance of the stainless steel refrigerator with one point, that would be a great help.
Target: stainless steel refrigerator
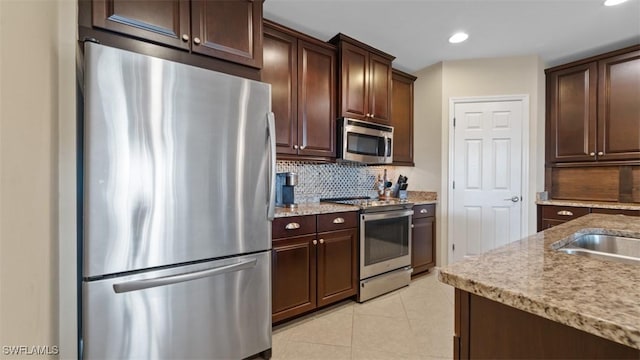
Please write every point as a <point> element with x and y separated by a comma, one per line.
<point>178,194</point>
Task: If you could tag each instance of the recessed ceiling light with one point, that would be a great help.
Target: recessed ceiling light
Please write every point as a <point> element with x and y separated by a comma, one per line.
<point>459,37</point>
<point>613,2</point>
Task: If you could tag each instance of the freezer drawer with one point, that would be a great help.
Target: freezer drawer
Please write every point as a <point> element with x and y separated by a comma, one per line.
<point>218,310</point>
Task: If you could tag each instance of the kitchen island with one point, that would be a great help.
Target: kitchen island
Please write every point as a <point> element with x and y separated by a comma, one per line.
<point>526,299</point>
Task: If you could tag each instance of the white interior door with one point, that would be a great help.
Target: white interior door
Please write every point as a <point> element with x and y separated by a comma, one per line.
<point>487,175</point>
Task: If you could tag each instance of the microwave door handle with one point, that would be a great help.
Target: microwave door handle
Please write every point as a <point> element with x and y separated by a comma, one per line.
<point>386,147</point>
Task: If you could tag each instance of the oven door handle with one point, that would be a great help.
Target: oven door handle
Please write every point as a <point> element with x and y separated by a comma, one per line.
<point>387,215</point>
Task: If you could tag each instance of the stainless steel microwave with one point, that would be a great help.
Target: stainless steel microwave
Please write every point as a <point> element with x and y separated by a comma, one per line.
<point>364,142</point>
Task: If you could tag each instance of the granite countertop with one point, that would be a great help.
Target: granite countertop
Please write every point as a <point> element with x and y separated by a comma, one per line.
<point>314,209</point>
<point>591,204</point>
<point>597,296</point>
<point>415,197</point>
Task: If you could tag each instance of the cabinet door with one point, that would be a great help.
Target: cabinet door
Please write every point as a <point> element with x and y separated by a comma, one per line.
<point>293,271</point>
<point>423,245</point>
<point>619,107</point>
<point>354,92</point>
<point>337,265</point>
<point>228,29</point>
<point>379,89</point>
<point>316,100</point>
<point>280,69</point>
<point>164,21</point>
<point>571,135</point>
<point>402,119</point>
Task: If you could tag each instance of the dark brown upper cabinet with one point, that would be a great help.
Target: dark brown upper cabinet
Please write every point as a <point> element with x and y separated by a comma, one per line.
<point>164,22</point>
<point>619,107</point>
<point>364,80</point>
<point>593,112</point>
<point>402,117</point>
<point>302,74</point>
<point>230,30</point>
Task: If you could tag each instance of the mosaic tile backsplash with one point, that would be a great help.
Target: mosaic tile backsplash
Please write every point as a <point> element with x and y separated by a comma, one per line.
<point>320,181</point>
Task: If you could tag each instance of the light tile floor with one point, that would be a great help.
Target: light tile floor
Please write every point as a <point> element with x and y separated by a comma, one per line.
<point>415,322</point>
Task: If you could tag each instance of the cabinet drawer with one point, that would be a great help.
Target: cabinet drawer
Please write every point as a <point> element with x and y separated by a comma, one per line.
<point>337,221</point>
<point>293,226</point>
<point>564,213</point>
<point>420,211</point>
<point>616,212</point>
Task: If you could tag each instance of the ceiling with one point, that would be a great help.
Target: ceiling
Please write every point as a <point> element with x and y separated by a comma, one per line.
<point>417,31</point>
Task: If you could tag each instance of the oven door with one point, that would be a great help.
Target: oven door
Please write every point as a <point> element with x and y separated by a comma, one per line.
<point>385,241</point>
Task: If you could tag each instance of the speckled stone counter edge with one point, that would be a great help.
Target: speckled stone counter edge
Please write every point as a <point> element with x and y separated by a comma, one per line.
<point>591,204</point>
<point>459,276</point>
<point>415,197</point>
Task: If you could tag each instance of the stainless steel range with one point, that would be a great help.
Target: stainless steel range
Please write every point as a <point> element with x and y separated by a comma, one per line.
<point>385,245</point>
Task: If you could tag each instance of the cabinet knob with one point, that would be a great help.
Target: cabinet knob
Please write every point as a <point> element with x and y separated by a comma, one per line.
<point>600,153</point>
<point>196,40</point>
<point>185,37</point>
<point>302,147</point>
<point>321,241</point>
<point>295,147</point>
<point>315,242</point>
<point>292,226</point>
<point>592,154</point>
<point>412,226</point>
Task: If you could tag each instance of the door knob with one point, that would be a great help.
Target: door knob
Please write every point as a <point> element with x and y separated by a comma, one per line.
<point>514,199</point>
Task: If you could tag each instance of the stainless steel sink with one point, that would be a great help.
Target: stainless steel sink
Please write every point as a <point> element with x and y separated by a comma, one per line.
<point>606,247</point>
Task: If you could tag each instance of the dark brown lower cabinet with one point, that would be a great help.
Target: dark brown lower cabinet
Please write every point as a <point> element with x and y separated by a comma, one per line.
<point>293,267</point>
<point>486,329</point>
<point>423,236</point>
<point>316,268</point>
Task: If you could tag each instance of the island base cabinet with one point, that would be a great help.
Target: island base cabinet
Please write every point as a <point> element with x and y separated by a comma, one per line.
<point>486,329</point>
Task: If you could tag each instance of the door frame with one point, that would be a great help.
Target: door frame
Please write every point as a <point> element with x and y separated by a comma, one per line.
<point>524,213</point>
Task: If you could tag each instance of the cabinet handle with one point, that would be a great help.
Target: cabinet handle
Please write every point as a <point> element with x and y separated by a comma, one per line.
<point>338,220</point>
<point>302,147</point>
<point>295,147</point>
<point>292,226</point>
<point>565,213</point>
<point>185,37</point>
<point>315,242</point>
<point>600,153</point>
<point>321,241</point>
<point>592,154</point>
<point>423,211</point>
<point>196,40</point>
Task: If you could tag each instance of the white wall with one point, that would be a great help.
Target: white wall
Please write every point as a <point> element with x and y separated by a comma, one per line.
<point>476,77</point>
<point>35,74</point>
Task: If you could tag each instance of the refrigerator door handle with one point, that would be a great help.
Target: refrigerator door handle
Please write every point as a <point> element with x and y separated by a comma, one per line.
<point>271,121</point>
<point>174,279</point>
